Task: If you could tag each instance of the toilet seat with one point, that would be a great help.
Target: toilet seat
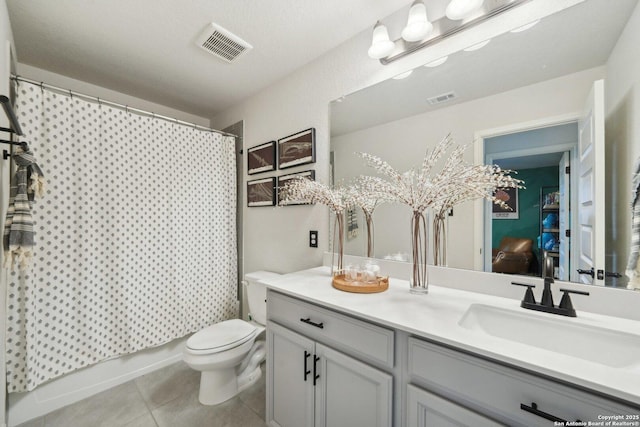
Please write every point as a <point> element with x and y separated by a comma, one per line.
<point>221,336</point>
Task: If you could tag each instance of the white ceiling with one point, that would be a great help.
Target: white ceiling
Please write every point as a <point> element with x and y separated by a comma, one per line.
<point>146,48</point>
<point>575,39</point>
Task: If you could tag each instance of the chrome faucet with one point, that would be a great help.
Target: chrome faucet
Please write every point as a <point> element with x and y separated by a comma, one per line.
<point>565,308</point>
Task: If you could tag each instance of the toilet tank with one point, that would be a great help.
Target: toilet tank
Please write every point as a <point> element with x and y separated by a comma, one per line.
<point>257,294</point>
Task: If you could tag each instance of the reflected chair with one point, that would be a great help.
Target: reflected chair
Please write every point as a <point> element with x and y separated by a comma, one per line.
<point>514,256</point>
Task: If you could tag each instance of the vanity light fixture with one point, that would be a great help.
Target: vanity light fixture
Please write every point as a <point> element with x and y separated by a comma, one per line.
<point>461,9</point>
<point>437,62</point>
<point>525,27</point>
<point>477,46</point>
<point>381,46</point>
<point>420,32</point>
<point>402,75</point>
<point>418,25</point>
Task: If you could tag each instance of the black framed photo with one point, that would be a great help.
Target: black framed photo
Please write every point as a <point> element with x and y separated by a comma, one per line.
<point>261,192</point>
<point>261,158</point>
<point>297,149</point>
<point>509,196</point>
<point>282,181</point>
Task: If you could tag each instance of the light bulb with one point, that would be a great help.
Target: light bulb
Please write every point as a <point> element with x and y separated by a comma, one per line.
<point>418,26</point>
<point>460,9</point>
<point>381,46</point>
<point>437,62</point>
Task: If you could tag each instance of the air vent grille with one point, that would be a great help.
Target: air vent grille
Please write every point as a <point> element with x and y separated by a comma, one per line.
<point>222,43</point>
<point>439,99</point>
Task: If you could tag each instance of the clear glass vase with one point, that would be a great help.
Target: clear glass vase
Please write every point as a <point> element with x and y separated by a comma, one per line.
<point>369,222</point>
<point>338,244</point>
<point>440,220</point>
<point>418,281</point>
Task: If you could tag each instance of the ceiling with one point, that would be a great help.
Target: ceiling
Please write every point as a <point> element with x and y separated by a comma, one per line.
<point>146,48</point>
<point>575,39</point>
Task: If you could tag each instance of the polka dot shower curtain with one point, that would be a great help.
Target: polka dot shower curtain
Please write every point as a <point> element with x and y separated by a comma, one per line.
<point>135,237</point>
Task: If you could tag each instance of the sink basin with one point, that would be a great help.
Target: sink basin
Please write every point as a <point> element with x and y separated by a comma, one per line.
<point>562,335</point>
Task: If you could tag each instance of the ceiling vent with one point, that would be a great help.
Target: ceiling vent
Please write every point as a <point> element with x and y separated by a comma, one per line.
<point>222,43</point>
<point>445,97</point>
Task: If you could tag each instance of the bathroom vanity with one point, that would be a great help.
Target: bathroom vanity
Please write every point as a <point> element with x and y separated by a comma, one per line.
<point>451,357</point>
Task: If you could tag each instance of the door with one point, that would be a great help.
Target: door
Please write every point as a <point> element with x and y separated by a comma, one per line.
<point>563,213</point>
<point>289,378</point>
<point>351,393</point>
<point>591,208</point>
<point>426,409</point>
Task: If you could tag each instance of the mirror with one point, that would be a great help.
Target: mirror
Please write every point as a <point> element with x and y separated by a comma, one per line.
<point>519,98</point>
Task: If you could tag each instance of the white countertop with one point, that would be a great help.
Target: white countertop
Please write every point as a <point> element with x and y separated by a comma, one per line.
<point>436,315</point>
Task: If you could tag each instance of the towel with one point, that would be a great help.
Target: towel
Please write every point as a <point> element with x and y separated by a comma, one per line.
<point>633,267</point>
<point>28,183</point>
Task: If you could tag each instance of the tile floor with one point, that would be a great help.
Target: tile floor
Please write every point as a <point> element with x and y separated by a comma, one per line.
<point>165,398</point>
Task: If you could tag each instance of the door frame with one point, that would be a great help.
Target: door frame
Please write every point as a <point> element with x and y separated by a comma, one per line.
<point>482,214</point>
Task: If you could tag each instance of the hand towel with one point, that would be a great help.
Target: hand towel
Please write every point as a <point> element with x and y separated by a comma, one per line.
<point>28,182</point>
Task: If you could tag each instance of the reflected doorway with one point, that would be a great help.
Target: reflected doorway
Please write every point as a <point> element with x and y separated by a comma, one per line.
<point>536,231</point>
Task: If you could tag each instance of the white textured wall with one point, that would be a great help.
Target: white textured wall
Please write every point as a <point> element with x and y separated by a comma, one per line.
<point>277,238</point>
<point>403,144</point>
<point>6,46</point>
<point>622,94</point>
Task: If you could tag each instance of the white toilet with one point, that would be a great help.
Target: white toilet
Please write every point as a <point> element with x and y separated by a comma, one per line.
<point>227,353</point>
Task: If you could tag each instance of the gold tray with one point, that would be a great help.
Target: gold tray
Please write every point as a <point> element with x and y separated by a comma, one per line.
<point>339,282</point>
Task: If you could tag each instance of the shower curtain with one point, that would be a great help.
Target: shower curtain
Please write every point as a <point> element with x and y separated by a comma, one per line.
<point>135,240</point>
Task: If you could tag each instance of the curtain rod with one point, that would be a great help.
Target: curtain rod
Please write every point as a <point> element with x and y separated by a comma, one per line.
<point>71,93</point>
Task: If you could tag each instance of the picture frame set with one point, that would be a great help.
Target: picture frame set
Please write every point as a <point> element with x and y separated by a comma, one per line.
<point>294,150</point>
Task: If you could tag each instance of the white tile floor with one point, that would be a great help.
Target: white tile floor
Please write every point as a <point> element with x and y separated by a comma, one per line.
<point>164,398</point>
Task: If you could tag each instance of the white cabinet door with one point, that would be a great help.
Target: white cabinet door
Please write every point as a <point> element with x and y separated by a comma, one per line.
<point>428,410</point>
<point>350,393</point>
<point>289,378</point>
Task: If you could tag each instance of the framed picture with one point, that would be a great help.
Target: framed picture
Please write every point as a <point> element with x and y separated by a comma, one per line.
<point>282,181</point>
<point>261,192</point>
<point>261,158</point>
<point>510,197</point>
<point>297,149</point>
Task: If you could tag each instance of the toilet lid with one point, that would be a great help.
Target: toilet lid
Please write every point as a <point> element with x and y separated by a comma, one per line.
<point>228,334</point>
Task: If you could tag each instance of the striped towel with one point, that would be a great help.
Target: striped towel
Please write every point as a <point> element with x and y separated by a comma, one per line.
<point>28,182</point>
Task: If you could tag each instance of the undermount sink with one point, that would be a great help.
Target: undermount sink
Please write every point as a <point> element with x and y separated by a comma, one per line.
<point>562,335</point>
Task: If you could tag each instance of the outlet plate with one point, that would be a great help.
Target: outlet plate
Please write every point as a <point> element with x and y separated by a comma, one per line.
<point>313,238</point>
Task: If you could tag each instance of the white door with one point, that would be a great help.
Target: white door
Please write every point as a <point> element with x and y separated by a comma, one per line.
<point>351,393</point>
<point>591,207</point>
<point>565,198</point>
<point>289,378</point>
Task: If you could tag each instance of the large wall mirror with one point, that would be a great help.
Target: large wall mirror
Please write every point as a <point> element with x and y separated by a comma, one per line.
<point>519,102</point>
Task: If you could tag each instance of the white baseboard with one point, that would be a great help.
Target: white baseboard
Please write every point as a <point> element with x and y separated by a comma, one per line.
<point>88,381</point>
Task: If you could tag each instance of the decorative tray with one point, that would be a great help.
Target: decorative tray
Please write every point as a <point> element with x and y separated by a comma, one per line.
<point>339,282</point>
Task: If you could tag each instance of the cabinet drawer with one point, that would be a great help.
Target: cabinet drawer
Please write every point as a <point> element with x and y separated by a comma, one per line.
<point>362,339</point>
<point>498,390</point>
